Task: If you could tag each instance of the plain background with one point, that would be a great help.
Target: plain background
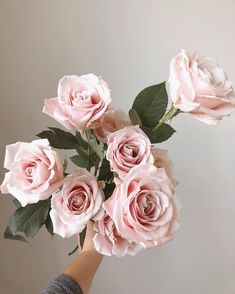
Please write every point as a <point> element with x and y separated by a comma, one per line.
<point>129,43</point>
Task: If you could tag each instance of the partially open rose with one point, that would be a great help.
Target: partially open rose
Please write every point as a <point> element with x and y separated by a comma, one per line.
<point>80,103</point>
<point>200,87</point>
<point>143,206</point>
<point>35,171</point>
<point>108,241</point>
<point>161,159</point>
<point>79,200</point>
<point>112,121</point>
<point>128,148</point>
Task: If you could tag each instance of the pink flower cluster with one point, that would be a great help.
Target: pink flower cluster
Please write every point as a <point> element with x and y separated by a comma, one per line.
<point>143,211</point>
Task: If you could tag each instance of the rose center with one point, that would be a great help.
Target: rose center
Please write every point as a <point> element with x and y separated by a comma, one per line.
<point>130,150</point>
<point>30,171</point>
<point>78,201</point>
<point>81,96</point>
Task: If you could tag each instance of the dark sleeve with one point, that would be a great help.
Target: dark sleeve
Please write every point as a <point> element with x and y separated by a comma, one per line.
<point>63,284</point>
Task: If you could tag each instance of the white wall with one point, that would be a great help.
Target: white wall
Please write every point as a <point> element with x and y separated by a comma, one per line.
<point>129,43</point>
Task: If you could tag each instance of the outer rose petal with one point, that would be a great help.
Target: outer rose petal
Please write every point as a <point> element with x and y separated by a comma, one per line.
<point>61,229</point>
<point>53,109</point>
<point>109,242</point>
<point>26,197</point>
<point>102,244</point>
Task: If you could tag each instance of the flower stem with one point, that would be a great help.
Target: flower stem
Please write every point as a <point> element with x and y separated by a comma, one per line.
<point>96,166</point>
<point>168,115</point>
<point>74,250</point>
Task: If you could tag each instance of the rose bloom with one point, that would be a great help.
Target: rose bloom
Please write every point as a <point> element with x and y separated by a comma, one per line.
<point>108,241</point>
<point>112,121</point>
<point>199,86</point>
<point>143,206</point>
<point>35,171</point>
<point>128,148</point>
<point>78,201</point>
<point>80,103</point>
<point>161,159</point>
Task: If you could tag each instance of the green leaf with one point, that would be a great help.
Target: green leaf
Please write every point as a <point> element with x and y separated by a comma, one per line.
<point>108,190</point>
<point>105,173</point>
<point>29,219</point>
<point>159,135</point>
<point>135,119</point>
<point>16,203</point>
<point>82,143</point>
<point>49,225</point>
<point>83,153</point>
<point>8,234</point>
<point>59,138</point>
<point>151,104</point>
<point>80,161</point>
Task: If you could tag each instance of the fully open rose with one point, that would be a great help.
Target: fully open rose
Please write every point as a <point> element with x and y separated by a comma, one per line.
<point>128,148</point>
<point>79,200</point>
<point>108,241</point>
<point>199,86</point>
<point>112,121</point>
<point>81,101</point>
<point>144,207</point>
<point>35,171</point>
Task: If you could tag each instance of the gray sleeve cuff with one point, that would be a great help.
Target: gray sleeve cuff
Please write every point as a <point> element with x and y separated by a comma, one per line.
<point>63,284</point>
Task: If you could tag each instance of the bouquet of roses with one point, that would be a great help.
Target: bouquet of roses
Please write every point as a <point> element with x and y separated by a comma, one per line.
<point>122,181</point>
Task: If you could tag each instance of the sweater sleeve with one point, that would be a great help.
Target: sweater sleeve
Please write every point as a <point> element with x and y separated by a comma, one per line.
<point>63,284</point>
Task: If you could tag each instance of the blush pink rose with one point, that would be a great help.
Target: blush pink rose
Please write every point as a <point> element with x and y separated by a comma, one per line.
<point>108,241</point>
<point>199,86</point>
<point>35,171</point>
<point>78,201</point>
<point>161,159</point>
<point>128,148</point>
<point>80,103</point>
<point>143,206</point>
<point>112,121</point>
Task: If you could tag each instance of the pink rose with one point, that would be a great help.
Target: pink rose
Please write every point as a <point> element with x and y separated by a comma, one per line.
<point>111,122</point>
<point>80,103</point>
<point>35,171</point>
<point>143,206</point>
<point>161,159</point>
<point>78,201</point>
<point>199,86</point>
<point>108,241</point>
<point>128,148</point>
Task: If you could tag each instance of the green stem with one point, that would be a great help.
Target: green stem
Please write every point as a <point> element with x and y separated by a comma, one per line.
<point>168,115</point>
<point>74,250</point>
<point>96,167</point>
<point>87,134</point>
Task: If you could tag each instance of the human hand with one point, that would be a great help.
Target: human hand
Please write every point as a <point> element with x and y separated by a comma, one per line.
<point>88,244</point>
